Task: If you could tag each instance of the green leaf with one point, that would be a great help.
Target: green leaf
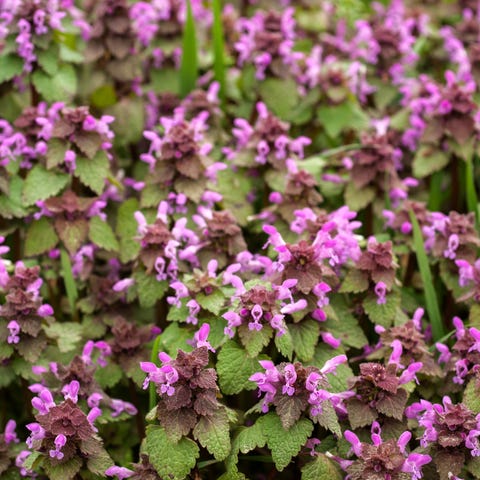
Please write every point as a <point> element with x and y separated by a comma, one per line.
<point>213,433</point>
<point>174,338</point>
<point>235,367</point>
<point>56,152</point>
<point>213,302</point>
<point>11,205</point>
<point>338,381</point>
<point>129,116</point>
<point>322,468</point>
<point>126,229</point>
<point>218,48</point>
<point>471,396</point>
<point>354,282</point>
<point>427,160</point>
<point>433,309</point>
<point>99,460</point>
<point>72,233</point>
<point>104,96</point>
<point>88,143</point>
<point>149,289</point>
<point>254,340</point>
<point>250,438</point>
<point>109,375</point>
<point>170,460</point>
<point>41,184</point>
<point>347,115</point>
<point>101,234</point>
<point>328,418</point>
<point>69,55</point>
<point>31,461</point>
<point>284,344</point>
<point>92,172</point>
<point>343,325</point>
<point>280,95</point>
<point>70,285</point>
<point>383,314</point>
<point>67,334</point>
<point>62,471</point>
<point>58,88</point>
<point>356,198</point>
<point>284,444</point>
<point>189,65</point>
<point>304,338</point>
<point>48,60</point>
<point>40,237</point>
<point>10,65</point>
<point>360,414</point>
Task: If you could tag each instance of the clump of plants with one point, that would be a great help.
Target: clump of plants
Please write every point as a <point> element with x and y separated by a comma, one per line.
<point>239,240</point>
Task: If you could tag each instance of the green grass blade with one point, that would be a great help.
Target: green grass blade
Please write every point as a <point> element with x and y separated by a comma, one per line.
<point>470,191</point>
<point>218,48</point>
<point>435,192</point>
<point>70,285</point>
<point>428,286</point>
<point>152,387</point>
<point>189,66</point>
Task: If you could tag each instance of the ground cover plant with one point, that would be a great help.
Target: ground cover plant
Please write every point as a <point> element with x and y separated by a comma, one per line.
<point>239,239</point>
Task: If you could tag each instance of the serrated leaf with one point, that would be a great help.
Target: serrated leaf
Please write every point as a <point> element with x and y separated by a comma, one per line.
<point>250,438</point>
<point>213,433</point>
<point>343,325</point>
<point>328,418</point>
<point>357,199</point>
<point>67,334</point>
<point>427,160</point>
<point>354,282</point>
<point>72,233</point>
<point>304,338</point>
<point>289,409</point>
<point>129,122</point>
<point>11,205</point>
<point>284,344</point>
<point>280,95</point>
<point>56,152</point>
<point>101,234</point>
<point>284,444</point>
<point>338,381</point>
<point>235,367</point>
<point>109,375</point>
<point>174,338</point>
<point>322,468</point>
<point>99,462</point>
<point>40,237</point>
<point>393,405</point>
<point>10,65</point>
<point>359,414</point>
<point>88,142</point>
<point>213,302</point>
<point>471,396</point>
<point>92,172</point>
<point>382,314</point>
<point>126,229</point>
<point>31,460</point>
<point>170,460</point>
<point>347,115</point>
<point>48,60</point>
<point>58,88</point>
<point>254,340</point>
<point>63,471</point>
<point>41,184</point>
<point>149,289</point>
